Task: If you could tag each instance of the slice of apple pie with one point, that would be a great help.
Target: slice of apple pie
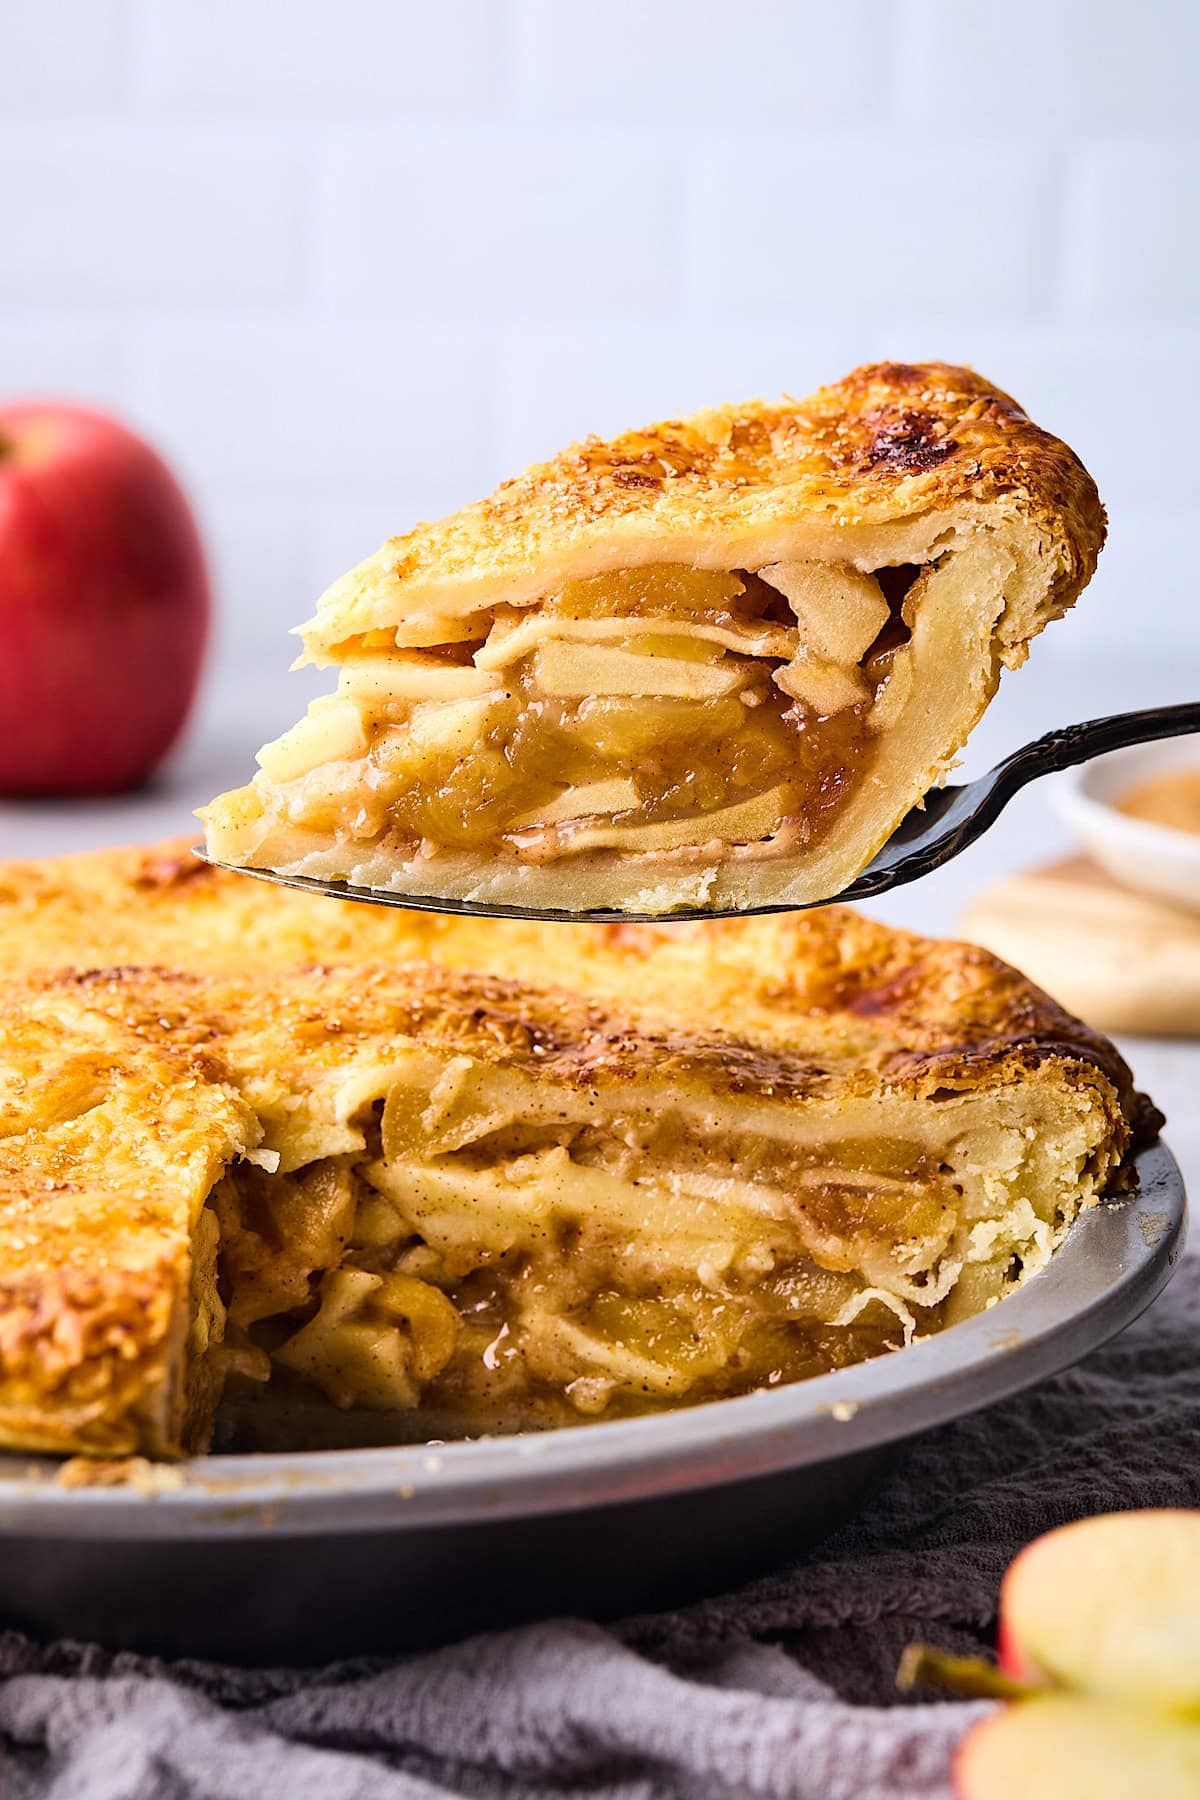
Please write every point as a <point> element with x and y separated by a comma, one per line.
<point>449,1202</point>
<point>712,663</point>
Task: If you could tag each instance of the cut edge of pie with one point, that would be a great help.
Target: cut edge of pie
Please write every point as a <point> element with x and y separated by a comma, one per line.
<point>465,1203</point>
<point>713,663</point>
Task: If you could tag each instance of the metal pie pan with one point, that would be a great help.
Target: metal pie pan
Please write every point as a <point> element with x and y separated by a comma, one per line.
<point>306,1556</point>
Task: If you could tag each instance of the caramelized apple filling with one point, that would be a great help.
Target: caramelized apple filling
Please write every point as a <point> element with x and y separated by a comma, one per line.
<point>498,1275</point>
<point>662,709</point>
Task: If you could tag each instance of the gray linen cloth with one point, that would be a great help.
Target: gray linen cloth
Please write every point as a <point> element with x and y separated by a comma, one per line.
<point>784,1689</point>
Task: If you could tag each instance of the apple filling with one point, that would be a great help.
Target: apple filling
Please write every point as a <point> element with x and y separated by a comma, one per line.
<point>650,711</point>
<point>498,1257</point>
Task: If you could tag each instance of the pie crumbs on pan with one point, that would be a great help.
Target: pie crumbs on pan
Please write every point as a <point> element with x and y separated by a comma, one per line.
<point>262,1147</point>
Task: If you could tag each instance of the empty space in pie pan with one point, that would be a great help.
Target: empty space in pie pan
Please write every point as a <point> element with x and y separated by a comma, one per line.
<point>309,1556</point>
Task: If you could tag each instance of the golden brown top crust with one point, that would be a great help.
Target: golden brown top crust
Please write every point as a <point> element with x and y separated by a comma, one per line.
<point>164,1054</point>
<point>105,1117</point>
<point>835,989</point>
<point>889,442</point>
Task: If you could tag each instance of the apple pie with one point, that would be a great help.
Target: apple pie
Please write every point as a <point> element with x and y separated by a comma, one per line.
<point>685,1162</point>
<point>709,664</point>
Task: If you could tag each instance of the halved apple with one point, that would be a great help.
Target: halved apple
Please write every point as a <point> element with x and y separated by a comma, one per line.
<point>1099,1651</point>
<point>1066,1747</point>
<point>1109,1606</point>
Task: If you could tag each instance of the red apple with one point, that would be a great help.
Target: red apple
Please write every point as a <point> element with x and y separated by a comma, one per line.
<point>103,603</point>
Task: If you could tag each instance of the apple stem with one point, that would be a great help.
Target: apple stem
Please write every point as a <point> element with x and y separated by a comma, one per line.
<point>924,1665</point>
<point>6,446</point>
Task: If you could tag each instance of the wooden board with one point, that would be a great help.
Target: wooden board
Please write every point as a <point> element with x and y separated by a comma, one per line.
<point>1121,960</point>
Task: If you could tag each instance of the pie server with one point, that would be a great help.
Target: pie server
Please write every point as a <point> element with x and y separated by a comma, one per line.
<point>947,821</point>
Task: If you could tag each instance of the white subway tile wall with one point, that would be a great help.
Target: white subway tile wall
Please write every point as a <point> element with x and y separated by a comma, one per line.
<point>350,264</point>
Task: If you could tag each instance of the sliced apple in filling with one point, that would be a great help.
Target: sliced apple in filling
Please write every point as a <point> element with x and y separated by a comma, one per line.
<point>573,733</point>
<point>781,660</point>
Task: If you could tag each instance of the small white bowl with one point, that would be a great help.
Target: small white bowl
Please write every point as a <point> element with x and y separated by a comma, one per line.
<point>1155,858</point>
